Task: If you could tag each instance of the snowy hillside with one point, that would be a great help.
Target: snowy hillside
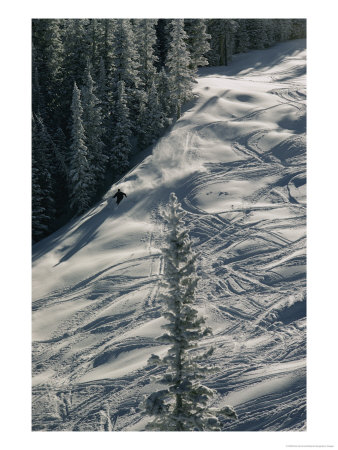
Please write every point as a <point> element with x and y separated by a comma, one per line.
<point>236,161</point>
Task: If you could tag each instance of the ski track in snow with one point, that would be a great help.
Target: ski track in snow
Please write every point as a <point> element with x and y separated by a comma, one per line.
<point>236,160</point>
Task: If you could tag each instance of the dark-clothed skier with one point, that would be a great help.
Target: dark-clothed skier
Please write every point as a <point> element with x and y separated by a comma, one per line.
<point>119,194</point>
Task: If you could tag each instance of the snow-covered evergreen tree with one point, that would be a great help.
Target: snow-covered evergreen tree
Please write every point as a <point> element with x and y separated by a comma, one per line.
<point>163,40</point>
<point>242,40</point>
<point>43,201</point>
<point>48,59</point>
<point>145,35</point>
<point>39,216</point>
<point>198,42</point>
<point>79,170</point>
<point>184,404</point>
<point>62,151</point>
<point>92,123</point>
<point>60,174</point>
<point>77,52</point>
<point>222,42</point>
<point>95,33</point>
<point>102,87</point>
<point>283,29</point>
<point>126,66</point>
<point>152,118</point>
<point>181,77</point>
<point>298,30</point>
<point>164,97</point>
<point>119,156</point>
<point>38,102</point>
<point>125,56</point>
<point>257,33</point>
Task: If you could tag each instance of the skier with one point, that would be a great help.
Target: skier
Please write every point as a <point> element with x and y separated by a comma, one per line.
<point>119,194</point>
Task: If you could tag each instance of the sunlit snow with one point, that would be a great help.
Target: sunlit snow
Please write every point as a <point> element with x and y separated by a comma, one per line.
<point>236,161</point>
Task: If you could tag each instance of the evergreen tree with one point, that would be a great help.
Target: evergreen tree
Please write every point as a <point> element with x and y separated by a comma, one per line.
<point>126,68</point>
<point>270,32</point>
<point>60,174</point>
<point>151,118</point>
<point>119,157</point>
<point>257,33</point>
<point>283,29</point>
<point>48,61</point>
<point>102,87</point>
<point>60,142</point>
<point>198,42</point>
<point>164,96</point>
<point>163,41</point>
<point>181,77</point>
<point>39,216</point>
<point>184,404</point>
<point>155,113</point>
<point>38,102</point>
<point>145,35</point>
<point>79,170</point>
<point>222,42</point>
<point>125,56</point>
<point>106,46</point>
<point>95,36</point>
<point>298,30</point>
<point>43,204</point>
<point>92,123</point>
<point>77,53</point>
<point>242,41</point>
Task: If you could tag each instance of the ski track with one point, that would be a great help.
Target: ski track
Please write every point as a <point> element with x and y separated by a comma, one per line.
<point>252,285</point>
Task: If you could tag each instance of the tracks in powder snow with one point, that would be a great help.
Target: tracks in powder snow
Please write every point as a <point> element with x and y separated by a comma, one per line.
<point>252,287</point>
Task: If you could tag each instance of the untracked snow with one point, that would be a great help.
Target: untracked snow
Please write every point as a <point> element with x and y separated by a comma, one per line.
<point>236,161</point>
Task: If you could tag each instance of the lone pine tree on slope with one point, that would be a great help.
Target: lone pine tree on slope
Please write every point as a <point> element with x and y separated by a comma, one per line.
<point>184,404</point>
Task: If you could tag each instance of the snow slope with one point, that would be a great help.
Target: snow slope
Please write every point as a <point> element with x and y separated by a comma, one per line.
<point>236,161</point>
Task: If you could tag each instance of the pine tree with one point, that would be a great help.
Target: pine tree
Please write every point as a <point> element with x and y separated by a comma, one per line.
<point>77,52</point>
<point>163,41</point>
<point>184,404</point>
<point>242,41</point>
<point>151,118</point>
<point>119,157</point>
<point>48,61</point>
<point>43,201</point>
<point>125,56</point>
<point>145,36</point>
<point>95,36</point>
<point>102,87</point>
<point>79,171</point>
<point>270,32</point>
<point>107,46</point>
<point>38,102</point>
<point>39,216</point>
<point>164,96</point>
<point>126,68</point>
<point>198,42</point>
<point>222,42</point>
<point>181,77</point>
<point>298,30</point>
<point>61,150</point>
<point>155,113</point>
<point>92,123</point>
<point>283,29</point>
<point>257,33</point>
